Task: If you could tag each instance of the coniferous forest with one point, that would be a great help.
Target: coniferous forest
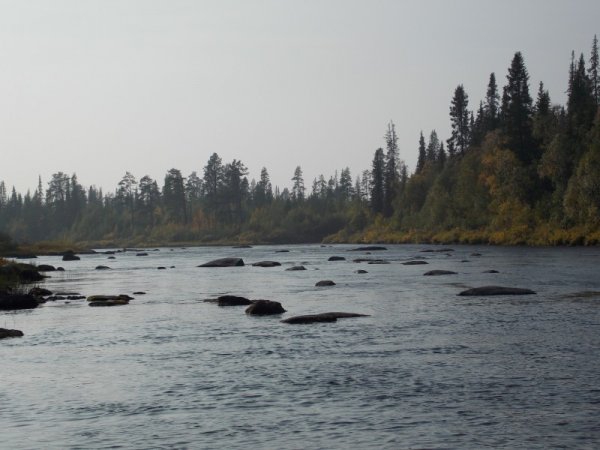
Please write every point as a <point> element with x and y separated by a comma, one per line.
<point>516,169</point>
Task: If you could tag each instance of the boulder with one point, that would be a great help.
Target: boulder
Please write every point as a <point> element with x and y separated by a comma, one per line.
<point>141,254</point>
<point>294,268</point>
<point>490,271</point>
<point>336,258</point>
<point>378,261</point>
<point>282,251</point>
<point>139,293</point>
<point>6,333</point>
<point>224,262</point>
<point>46,268</point>
<point>161,268</point>
<point>367,260</point>
<point>368,248</point>
<point>242,246</point>
<point>266,264</point>
<point>323,283</point>
<point>439,272</point>
<point>323,317</point>
<point>39,292</point>
<point>102,268</point>
<point>114,302</point>
<point>109,300</point>
<point>264,307</point>
<point>496,290</point>
<point>112,257</point>
<point>60,269</point>
<point>360,271</point>
<point>76,297</point>
<point>17,301</point>
<point>232,300</point>
<point>415,262</point>
<point>69,255</point>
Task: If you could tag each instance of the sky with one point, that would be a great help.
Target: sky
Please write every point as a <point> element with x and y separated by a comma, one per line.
<point>98,88</point>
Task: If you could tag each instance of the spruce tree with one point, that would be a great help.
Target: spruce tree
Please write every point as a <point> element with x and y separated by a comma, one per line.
<point>594,71</point>
<point>422,154</point>
<point>459,119</point>
<point>377,181</point>
<point>391,170</point>
<point>491,106</point>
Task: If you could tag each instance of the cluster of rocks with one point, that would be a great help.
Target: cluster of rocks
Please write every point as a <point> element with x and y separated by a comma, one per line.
<point>109,300</point>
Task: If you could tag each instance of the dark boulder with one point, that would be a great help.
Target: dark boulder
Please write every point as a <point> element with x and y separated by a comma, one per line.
<point>266,264</point>
<point>282,251</point>
<point>70,258</point>
<point>141,254</point>
<point>242,246</point>
<point>46,268</point>
<point>416,262</point>
<point>336,258</point>
<point>112,257</point>
<point>496,290</point>
<point>102,268</point>
<point>232,300</point>
<point>17,301</point>
<point>224,262</point>
<point>6,333</point>
<point>76,297</point>
<point>367,260</point>
<point>360,271</point>
<point>368,248</point>
<point>139,293</point>
<point>264,307</point>
<point>161,268</point>
<point>294,268</point>
<point>39,292</point>
<point>323,283</point>
<point>439,272</point>
<point>490,271</point>
<point>323,317</point>
<point>109,300</point>
<point>60,269</point>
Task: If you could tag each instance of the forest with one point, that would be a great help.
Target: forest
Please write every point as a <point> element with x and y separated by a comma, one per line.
<point>515,170</point>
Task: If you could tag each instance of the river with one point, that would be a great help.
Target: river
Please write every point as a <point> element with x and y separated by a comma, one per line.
<point>426,369</point>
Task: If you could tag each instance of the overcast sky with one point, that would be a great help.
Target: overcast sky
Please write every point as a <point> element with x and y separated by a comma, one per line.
<point>103,87</point>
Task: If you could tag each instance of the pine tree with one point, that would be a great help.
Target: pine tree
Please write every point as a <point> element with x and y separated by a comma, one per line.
<point>594,71</point>
<point>491,106</point>
<point>298,187</point>
<point>433,147</point>
<point>422,154</point>
<point>517,111</point>
<point>459,119</point>
<point>391,170</point>
<point>377,181</point>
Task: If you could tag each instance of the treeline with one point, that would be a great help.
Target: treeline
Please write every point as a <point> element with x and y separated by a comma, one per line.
<point>514,170</point>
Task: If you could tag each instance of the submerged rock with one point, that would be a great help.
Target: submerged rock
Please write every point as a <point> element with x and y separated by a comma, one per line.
<point>17,301</point>
<point>360,271</point>
<point>233,300</point>
<point>139,293</point>
<point>490,271</point>
<point>266,264</point>
<point>265,307</point>
<point>322,317</point>
<point>439,272</point>
<point>336,258</point>
<point>496,290</point>
<point>415,262</point>
<point>141,254</point>
<point>294,268</point>
<point>109,300</point>
<point>224,262</point>
<point>368,248</point>
<point>282,251</point>
<point>323,283</point>
<point>6,333</point>
<point>102,268</point>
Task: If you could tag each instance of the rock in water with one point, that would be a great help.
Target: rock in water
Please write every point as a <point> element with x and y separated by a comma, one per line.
<point>233,300</point>
<point>323,317</point>
<point>46,268</point>
<point>325,283</point>
<point>264,307</point>
<point>336,258</point>
<point>102,268</point>
<point>369,248</point>
<point>266,264</point>
<point>416,262</point>
<point>224,262</point>
<point>17,301</point>
<point>108,300</point>
<point>294,268</point>
<point>439,272</point>
<point>496,290</point>
<point>69,255</point>
<point>360,271</point>
<point>6,333</point>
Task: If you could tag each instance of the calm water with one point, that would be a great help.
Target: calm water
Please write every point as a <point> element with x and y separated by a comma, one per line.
<point>427,369</point>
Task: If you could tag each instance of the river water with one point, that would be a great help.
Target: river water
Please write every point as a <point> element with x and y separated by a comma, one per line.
<point>426,369</point>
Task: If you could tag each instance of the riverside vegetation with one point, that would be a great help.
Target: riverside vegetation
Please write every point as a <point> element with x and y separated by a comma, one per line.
<point>514,171</point>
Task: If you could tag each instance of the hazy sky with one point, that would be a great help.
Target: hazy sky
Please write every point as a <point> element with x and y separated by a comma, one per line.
<point>103,87</point>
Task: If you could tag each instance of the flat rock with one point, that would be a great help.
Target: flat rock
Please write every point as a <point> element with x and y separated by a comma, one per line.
<point>46,268</point>
<point>282,251</point>
<point>322,317</point>
<point>233,300</point>
<point>336,258</point>
<point>108,298</point>
<point>490,271</point>
<point>266,264</point>
<point>224,262</point>
<point>139,293</point>
<point>242,246</point>
<point>102,268</point>
<point>6,333</point>
<point>439,272</point>
<point>323,283</point>
<point>17,301</point>
<point>294,268</point>
<point>415,262</point>
<point>496,290</point>
<point>368,248</point>
<point>141,254</point>
<point>161,268</point>
<point>360,271</point>
<point>264,307</point>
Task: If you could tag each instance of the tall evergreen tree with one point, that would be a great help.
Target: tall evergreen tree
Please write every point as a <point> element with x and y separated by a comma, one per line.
<point>517,111</point>
<point>390,182</point>
<point>174,196</point>
<point>377,181</point>
<point>459,119</point>
<point>594,71</point>
<point>492,105</point>
<point>422,154</point>
<point>298,187</point>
